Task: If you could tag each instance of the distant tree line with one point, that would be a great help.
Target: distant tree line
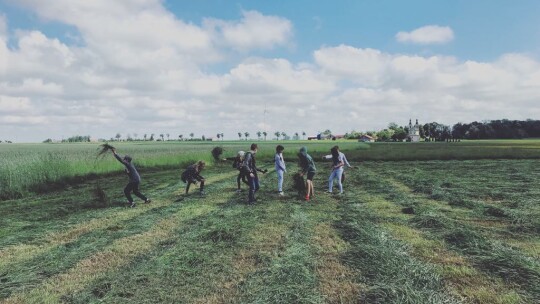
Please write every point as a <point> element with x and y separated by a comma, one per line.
<point>497,129</point>
<point>434,131</point>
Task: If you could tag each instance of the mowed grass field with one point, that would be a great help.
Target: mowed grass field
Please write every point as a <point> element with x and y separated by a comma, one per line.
<point>405,231</point>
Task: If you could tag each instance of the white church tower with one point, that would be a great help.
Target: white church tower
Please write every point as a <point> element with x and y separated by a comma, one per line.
<point>414,132</point>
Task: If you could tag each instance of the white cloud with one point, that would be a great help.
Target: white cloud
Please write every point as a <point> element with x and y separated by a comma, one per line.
<point>139,69</point>
<point>32,86</point>
<point>9,104</point>
<point>427,35</point>
<point>255,30</point>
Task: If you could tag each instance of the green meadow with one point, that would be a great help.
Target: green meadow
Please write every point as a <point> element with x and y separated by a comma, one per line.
<point>418,223</point>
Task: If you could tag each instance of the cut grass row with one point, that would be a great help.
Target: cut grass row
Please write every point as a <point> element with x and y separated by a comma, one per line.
<point>357,248</point>
<point>488,255</point>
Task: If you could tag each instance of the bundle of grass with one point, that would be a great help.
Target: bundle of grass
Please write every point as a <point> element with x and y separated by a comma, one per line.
<point>431,221</point>
<point>299,184</point>
<point>103,149</point>
<point>216,153</point>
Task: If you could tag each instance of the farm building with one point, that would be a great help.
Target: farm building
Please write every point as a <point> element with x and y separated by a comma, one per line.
<point>366,138</point>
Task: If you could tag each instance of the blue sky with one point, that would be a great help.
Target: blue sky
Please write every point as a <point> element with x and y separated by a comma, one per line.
<point>219,61</point>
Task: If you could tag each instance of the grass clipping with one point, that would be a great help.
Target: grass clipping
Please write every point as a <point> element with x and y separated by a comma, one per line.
<point>103,149</point>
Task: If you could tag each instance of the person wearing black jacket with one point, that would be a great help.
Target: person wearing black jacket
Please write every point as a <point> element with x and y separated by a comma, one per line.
<point>192,175</point>
<point>249,167</point>
<point>134,179</point>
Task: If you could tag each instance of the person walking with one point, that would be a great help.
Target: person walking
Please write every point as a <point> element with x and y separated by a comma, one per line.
<point>134,179</point>
<point>337,170</point>
<point>192,175</point>
<point>279,163</point>
<point>249,167</point>
<point>237,164</point>
<point>307,167</point>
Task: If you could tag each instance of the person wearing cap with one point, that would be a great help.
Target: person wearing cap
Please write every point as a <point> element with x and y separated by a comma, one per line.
<point>134,179</point>
<point>307,167</point>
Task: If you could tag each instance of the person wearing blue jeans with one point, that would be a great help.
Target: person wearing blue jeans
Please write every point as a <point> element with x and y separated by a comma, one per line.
<point>280,167</point>
<point>337,170</point>
<point>249,167</point>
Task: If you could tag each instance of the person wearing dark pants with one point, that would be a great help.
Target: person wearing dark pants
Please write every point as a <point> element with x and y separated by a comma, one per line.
<point>134,179</point>
<point>249,167</point>
<point>237,164</point>
<point>192,175</point>
<point>307,167</point>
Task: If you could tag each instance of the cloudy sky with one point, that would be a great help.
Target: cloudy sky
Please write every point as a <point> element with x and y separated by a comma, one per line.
<point>102,67</point>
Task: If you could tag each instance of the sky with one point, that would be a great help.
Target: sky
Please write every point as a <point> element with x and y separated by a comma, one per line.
<point>138,67</point>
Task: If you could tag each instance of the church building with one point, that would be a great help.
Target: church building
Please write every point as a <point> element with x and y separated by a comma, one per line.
<point>414,132</point>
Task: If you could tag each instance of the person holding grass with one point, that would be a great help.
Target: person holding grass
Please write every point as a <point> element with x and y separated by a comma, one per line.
<point>337,170</point>
<point>280,167</point>
<point>192,175</point>
<point>307,167</point>
<point>134,179</point>
<point>344,158</point>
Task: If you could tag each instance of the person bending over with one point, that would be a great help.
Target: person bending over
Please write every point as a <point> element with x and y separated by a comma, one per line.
<point>134,179</point>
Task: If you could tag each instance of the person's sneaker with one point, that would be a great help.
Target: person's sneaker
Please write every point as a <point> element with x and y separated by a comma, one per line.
<point>307,198</point>
<point>131,205</point>
<point>148,201</point>
<point>329,192</point>
<point>281,193</point>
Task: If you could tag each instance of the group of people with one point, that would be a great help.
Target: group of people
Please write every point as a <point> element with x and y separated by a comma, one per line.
<point>245,163</point>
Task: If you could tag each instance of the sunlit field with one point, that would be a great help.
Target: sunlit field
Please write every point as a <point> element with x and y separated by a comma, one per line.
<point>418,223</point>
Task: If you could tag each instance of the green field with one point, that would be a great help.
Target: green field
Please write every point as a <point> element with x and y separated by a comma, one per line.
<point>418,223</point>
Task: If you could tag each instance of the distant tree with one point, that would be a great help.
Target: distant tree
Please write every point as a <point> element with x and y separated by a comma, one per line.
<point>203,138</point>
<point>246,134</point>
<point>265,134</point>
<point>277,134</point>
<point>168,136</point>
<point>221,136</point>
<point>118,135</point>
<point>240,135</point>
<point>296,136</point>
<point>144,137</point>
<point>284,135</point>
<point>48,140</point>
<point>259,133</point>
<point>152,137</point>
<point>191,135</point>
<point>384,135</point>
<point>180,137</point>
<point>218,136</point>
<point>303,135</point>
<point>399,134</point>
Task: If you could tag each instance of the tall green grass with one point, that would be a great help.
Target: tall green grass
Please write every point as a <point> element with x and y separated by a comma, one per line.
<point>29,167</point>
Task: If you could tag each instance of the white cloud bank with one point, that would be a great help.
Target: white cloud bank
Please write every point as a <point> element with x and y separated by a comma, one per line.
<point>429,34</point>
<point>139,69</point>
